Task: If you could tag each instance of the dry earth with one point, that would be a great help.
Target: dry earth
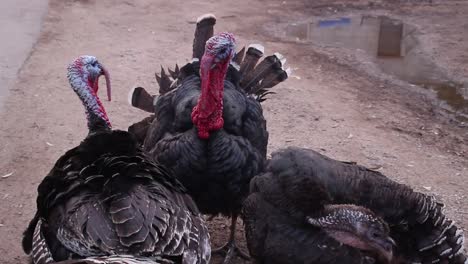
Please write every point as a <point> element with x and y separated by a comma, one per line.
<point>333,103</point>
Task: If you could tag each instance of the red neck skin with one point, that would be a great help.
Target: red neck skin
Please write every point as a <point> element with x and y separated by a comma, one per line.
<point>101,109</point>
<point>207,115</point>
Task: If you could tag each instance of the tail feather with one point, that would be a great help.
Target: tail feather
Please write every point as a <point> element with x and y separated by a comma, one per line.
<point>164,82</point>
<point>266,73</point>
<point>117,259</point>
<point>138,97</point>
<point>204,31</point>
<point>258,79</point>
<point>176,71</point>
<point>275,77</point>
<point>141,99</point>
<point>253,78</point>
<point>28,235</point>
<point>254,53</point>
<point>40,250</point>
<point>239,57</point>
<point>172,73</point>
<point>440,240</point>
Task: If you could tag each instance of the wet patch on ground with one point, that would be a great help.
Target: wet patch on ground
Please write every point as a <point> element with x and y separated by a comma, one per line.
<point>393,46</point>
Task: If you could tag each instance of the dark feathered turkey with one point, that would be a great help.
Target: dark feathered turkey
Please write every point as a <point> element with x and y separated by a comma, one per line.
<point>104,197</point>
<point>300,183</point>
<point>214,153</point>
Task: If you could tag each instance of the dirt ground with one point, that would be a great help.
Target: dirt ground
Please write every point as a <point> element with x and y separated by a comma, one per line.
<point>331,103</point>
<point>19,21</point>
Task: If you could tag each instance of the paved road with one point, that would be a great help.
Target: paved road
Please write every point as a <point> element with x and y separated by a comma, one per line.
<point>20,24</point>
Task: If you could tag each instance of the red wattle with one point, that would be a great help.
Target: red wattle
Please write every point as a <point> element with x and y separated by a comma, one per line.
<point>207,115</point>
<point>95,87</point>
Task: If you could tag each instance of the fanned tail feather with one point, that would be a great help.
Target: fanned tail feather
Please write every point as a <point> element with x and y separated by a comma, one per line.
<point>441,241</point>
<point>254,79</point>
<point>174,73</point>
<point>40,251</point>
<point>257,79</point>
<point>239,57</point>
<point>117,259</point>
<point>253,54</point>
<point>138,97</point>
<point>164,81</point>
<point>203,31</point>
<point>275,76</point>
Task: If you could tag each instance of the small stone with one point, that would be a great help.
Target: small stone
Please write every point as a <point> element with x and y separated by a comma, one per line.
<point>7,175</point>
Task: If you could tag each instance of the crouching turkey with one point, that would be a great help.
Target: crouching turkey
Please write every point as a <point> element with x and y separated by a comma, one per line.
<point>105,202</point>
<point>307,208</point>
<point>208,125</point>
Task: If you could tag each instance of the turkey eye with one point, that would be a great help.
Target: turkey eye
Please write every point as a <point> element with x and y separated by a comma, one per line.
<point>375,235</point>
<point>222,51</point>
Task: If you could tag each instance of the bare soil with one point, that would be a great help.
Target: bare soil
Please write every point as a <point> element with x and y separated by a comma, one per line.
<point>330,104</point>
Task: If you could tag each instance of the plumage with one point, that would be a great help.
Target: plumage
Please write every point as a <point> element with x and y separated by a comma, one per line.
<point>298,182</point>
<point>138,96</point>
<point>105,198</point>
<point>203,32</point>
<point>209,129</point>
<point>164,81</point>
<point>216,171</point>
<point>118,259</point>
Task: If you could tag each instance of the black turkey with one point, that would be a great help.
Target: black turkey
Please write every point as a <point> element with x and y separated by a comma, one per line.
<point>117,259</point>
<point>105,198</point>
<point>209,125</point>
<point>306,208</point>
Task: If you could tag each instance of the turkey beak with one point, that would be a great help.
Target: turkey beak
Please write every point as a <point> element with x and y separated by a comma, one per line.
<point>108,83</point>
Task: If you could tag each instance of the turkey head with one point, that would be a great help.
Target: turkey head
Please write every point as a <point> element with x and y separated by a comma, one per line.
<point>357,227</point>
<point>207,115</point>
<point>83,75</point>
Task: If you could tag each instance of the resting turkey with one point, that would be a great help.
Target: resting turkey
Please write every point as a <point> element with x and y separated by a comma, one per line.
<point>308,208</point>
<point>104,198</point>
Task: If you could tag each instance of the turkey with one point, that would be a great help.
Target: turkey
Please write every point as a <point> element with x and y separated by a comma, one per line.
<point>308,208</point>
<point>208,124</point>
<point>105,197</point>
<point>116,259</point>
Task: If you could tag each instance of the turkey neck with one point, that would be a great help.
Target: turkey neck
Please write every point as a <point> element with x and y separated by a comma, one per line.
<point>83,85</point>
<point>207,115</point>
